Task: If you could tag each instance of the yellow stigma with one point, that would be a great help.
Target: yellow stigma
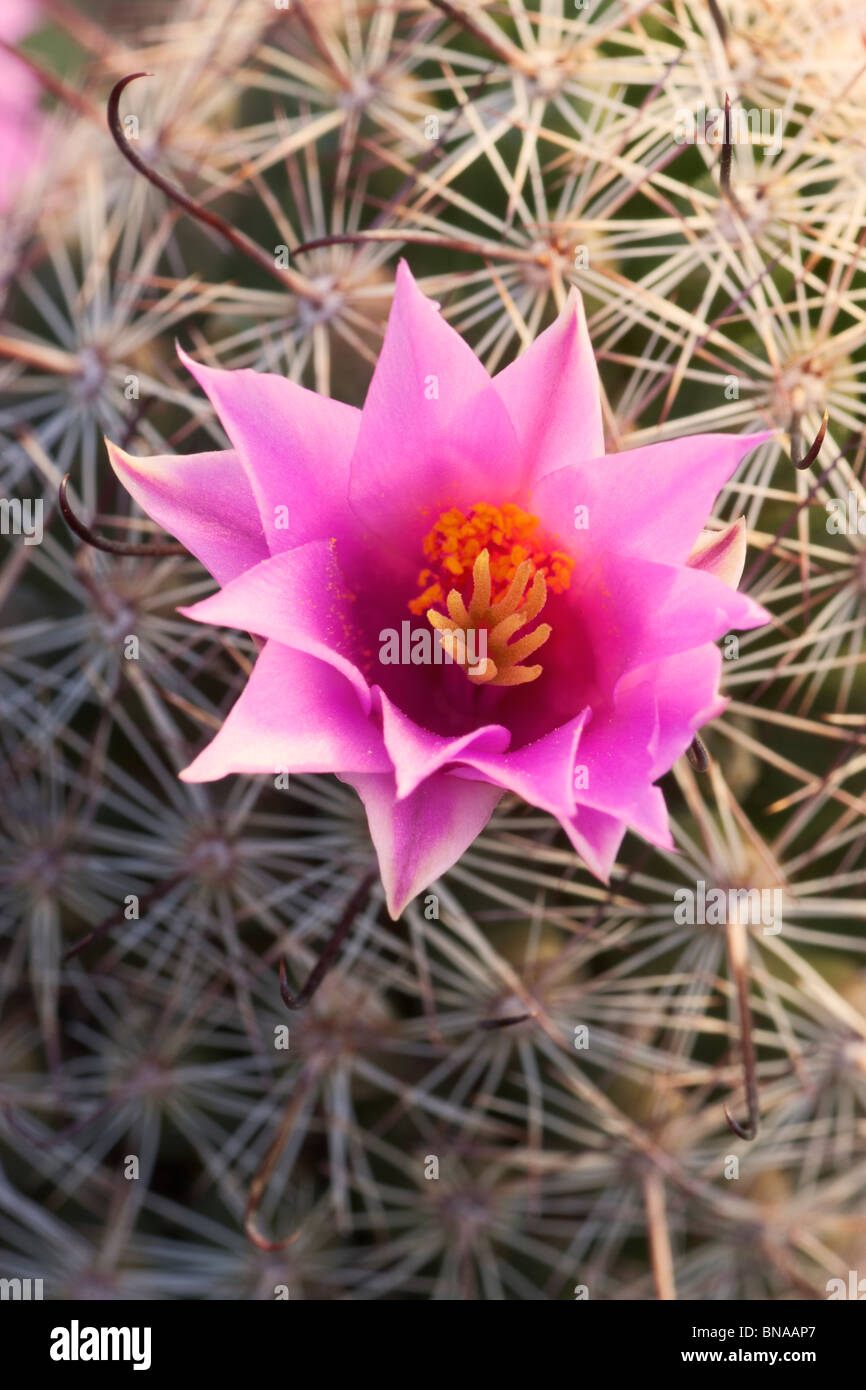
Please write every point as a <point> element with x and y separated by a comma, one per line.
<point>492,575</point>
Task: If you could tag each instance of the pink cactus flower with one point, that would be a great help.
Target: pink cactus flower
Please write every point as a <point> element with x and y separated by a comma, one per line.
<point>455,504</point>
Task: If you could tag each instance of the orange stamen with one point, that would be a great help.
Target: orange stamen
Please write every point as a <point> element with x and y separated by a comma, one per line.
<point>493,559</point>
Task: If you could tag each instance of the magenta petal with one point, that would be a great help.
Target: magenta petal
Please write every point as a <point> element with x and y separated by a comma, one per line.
<point>648,817</point>
<point>205,500</point>
<point>541,772</point>
<point>553,396</point>
<point>434,432</point>
<point>603,763</point>
<point>419,836</point>
<point>650,502</point>
<point>298,598</point>
<point>634,612</point>
<point>294,445</point>
<point>617,751</point>
<point>416,753</point>
<point>686,690</point>
<point>616,798</point>
<point>296,714</point>
<point>597,837</point>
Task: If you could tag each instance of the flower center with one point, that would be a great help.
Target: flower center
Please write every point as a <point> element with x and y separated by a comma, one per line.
<point>491,573</point>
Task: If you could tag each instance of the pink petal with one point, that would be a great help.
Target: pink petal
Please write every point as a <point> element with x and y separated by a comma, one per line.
<point>18,17</point>
<point>650,502</point>
<point>553,396</point>
<point>294,445</point>
<point>618,795</point>
<point>633,611</point>
<point>540,772</point>
<point>295,713</point>
<point>300,599</point>
<point>648,817</point>
<point>686,691</point>
<point>616,759</point>
<point>22,131</point>
<point>722,553</point>
<point>416,753</point>
<point>597,837</point>
<point>204,500</point>
<point>434,432</point>
<point>417,838</point>
<point>618,748</point>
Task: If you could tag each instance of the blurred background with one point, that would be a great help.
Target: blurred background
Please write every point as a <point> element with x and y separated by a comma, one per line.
<point>151,1079</point>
